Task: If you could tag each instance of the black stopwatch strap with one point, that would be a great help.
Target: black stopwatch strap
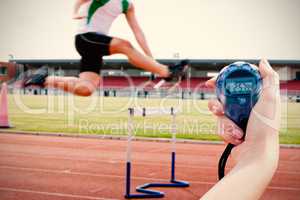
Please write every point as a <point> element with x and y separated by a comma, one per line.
<point>223,160</point>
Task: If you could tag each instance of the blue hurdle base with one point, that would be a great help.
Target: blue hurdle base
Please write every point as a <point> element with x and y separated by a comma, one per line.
<point>173,183</point>
<point>144,193</point>
<point>143,189</point>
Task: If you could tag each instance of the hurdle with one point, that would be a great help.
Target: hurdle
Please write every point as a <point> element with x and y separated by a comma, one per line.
<point>143,190</point>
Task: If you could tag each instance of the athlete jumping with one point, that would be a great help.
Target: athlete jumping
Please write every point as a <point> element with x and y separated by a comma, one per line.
<point>92,43</point>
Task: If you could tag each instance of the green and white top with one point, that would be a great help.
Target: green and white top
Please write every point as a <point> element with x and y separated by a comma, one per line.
<point>101,14</point>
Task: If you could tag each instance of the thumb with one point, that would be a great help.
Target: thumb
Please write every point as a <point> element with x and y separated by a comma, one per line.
<point>216,107</point>
<point>269,76</point>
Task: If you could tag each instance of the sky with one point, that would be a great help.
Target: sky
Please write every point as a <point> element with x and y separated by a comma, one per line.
<point>196,29</point>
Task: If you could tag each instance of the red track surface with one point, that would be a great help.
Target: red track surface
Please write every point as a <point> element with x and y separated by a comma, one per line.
<point>58,168</point>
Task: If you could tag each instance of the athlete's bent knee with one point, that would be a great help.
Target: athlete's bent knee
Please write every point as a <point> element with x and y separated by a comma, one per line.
<point>126,44</point>
<point>122,46</point>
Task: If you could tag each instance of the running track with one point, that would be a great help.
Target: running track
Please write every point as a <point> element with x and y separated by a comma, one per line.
<point>59,168</point>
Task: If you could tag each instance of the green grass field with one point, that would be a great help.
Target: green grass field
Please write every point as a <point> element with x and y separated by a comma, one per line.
<point>99,115</point>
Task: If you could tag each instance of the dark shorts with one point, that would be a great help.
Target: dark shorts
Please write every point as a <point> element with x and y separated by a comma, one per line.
<point>92,47</point>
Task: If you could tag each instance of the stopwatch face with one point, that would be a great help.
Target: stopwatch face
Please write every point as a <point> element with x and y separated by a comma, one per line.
<point>238,89</point>
<point>238,79</point>
<point>236,86</point>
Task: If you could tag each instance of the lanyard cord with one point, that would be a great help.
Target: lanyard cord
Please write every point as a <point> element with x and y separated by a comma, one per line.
<point>225,156</point>
<point>223,160</point>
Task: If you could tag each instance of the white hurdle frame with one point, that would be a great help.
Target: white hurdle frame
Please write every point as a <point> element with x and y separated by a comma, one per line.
<point>144,112</point>
<point>145,193</point>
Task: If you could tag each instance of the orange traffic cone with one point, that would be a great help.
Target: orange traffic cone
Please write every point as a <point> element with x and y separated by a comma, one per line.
<point>4,107</point>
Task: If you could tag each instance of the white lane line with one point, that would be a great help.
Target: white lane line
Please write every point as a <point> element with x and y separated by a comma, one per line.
<point>123,177</point>
<point>93,175</point>
<point>54,194</point>
<point>198,166</point>
<point>283,188</point>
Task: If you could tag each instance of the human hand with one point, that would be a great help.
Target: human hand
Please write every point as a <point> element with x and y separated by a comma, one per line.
<point>226,128</point>
<point>264,116</point>
<point>257,157</point>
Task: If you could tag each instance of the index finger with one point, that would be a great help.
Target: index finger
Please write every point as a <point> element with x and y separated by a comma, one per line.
<point>211,83</point>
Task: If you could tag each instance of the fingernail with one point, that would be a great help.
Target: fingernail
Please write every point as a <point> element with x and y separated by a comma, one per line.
<point>220,110</point>
<point>237,133</point>
<point>214,109</point>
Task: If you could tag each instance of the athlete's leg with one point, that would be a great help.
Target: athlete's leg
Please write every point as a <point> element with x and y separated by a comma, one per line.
<point>85,85</point>
<point>92,47</point>
<point>120,46</point>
